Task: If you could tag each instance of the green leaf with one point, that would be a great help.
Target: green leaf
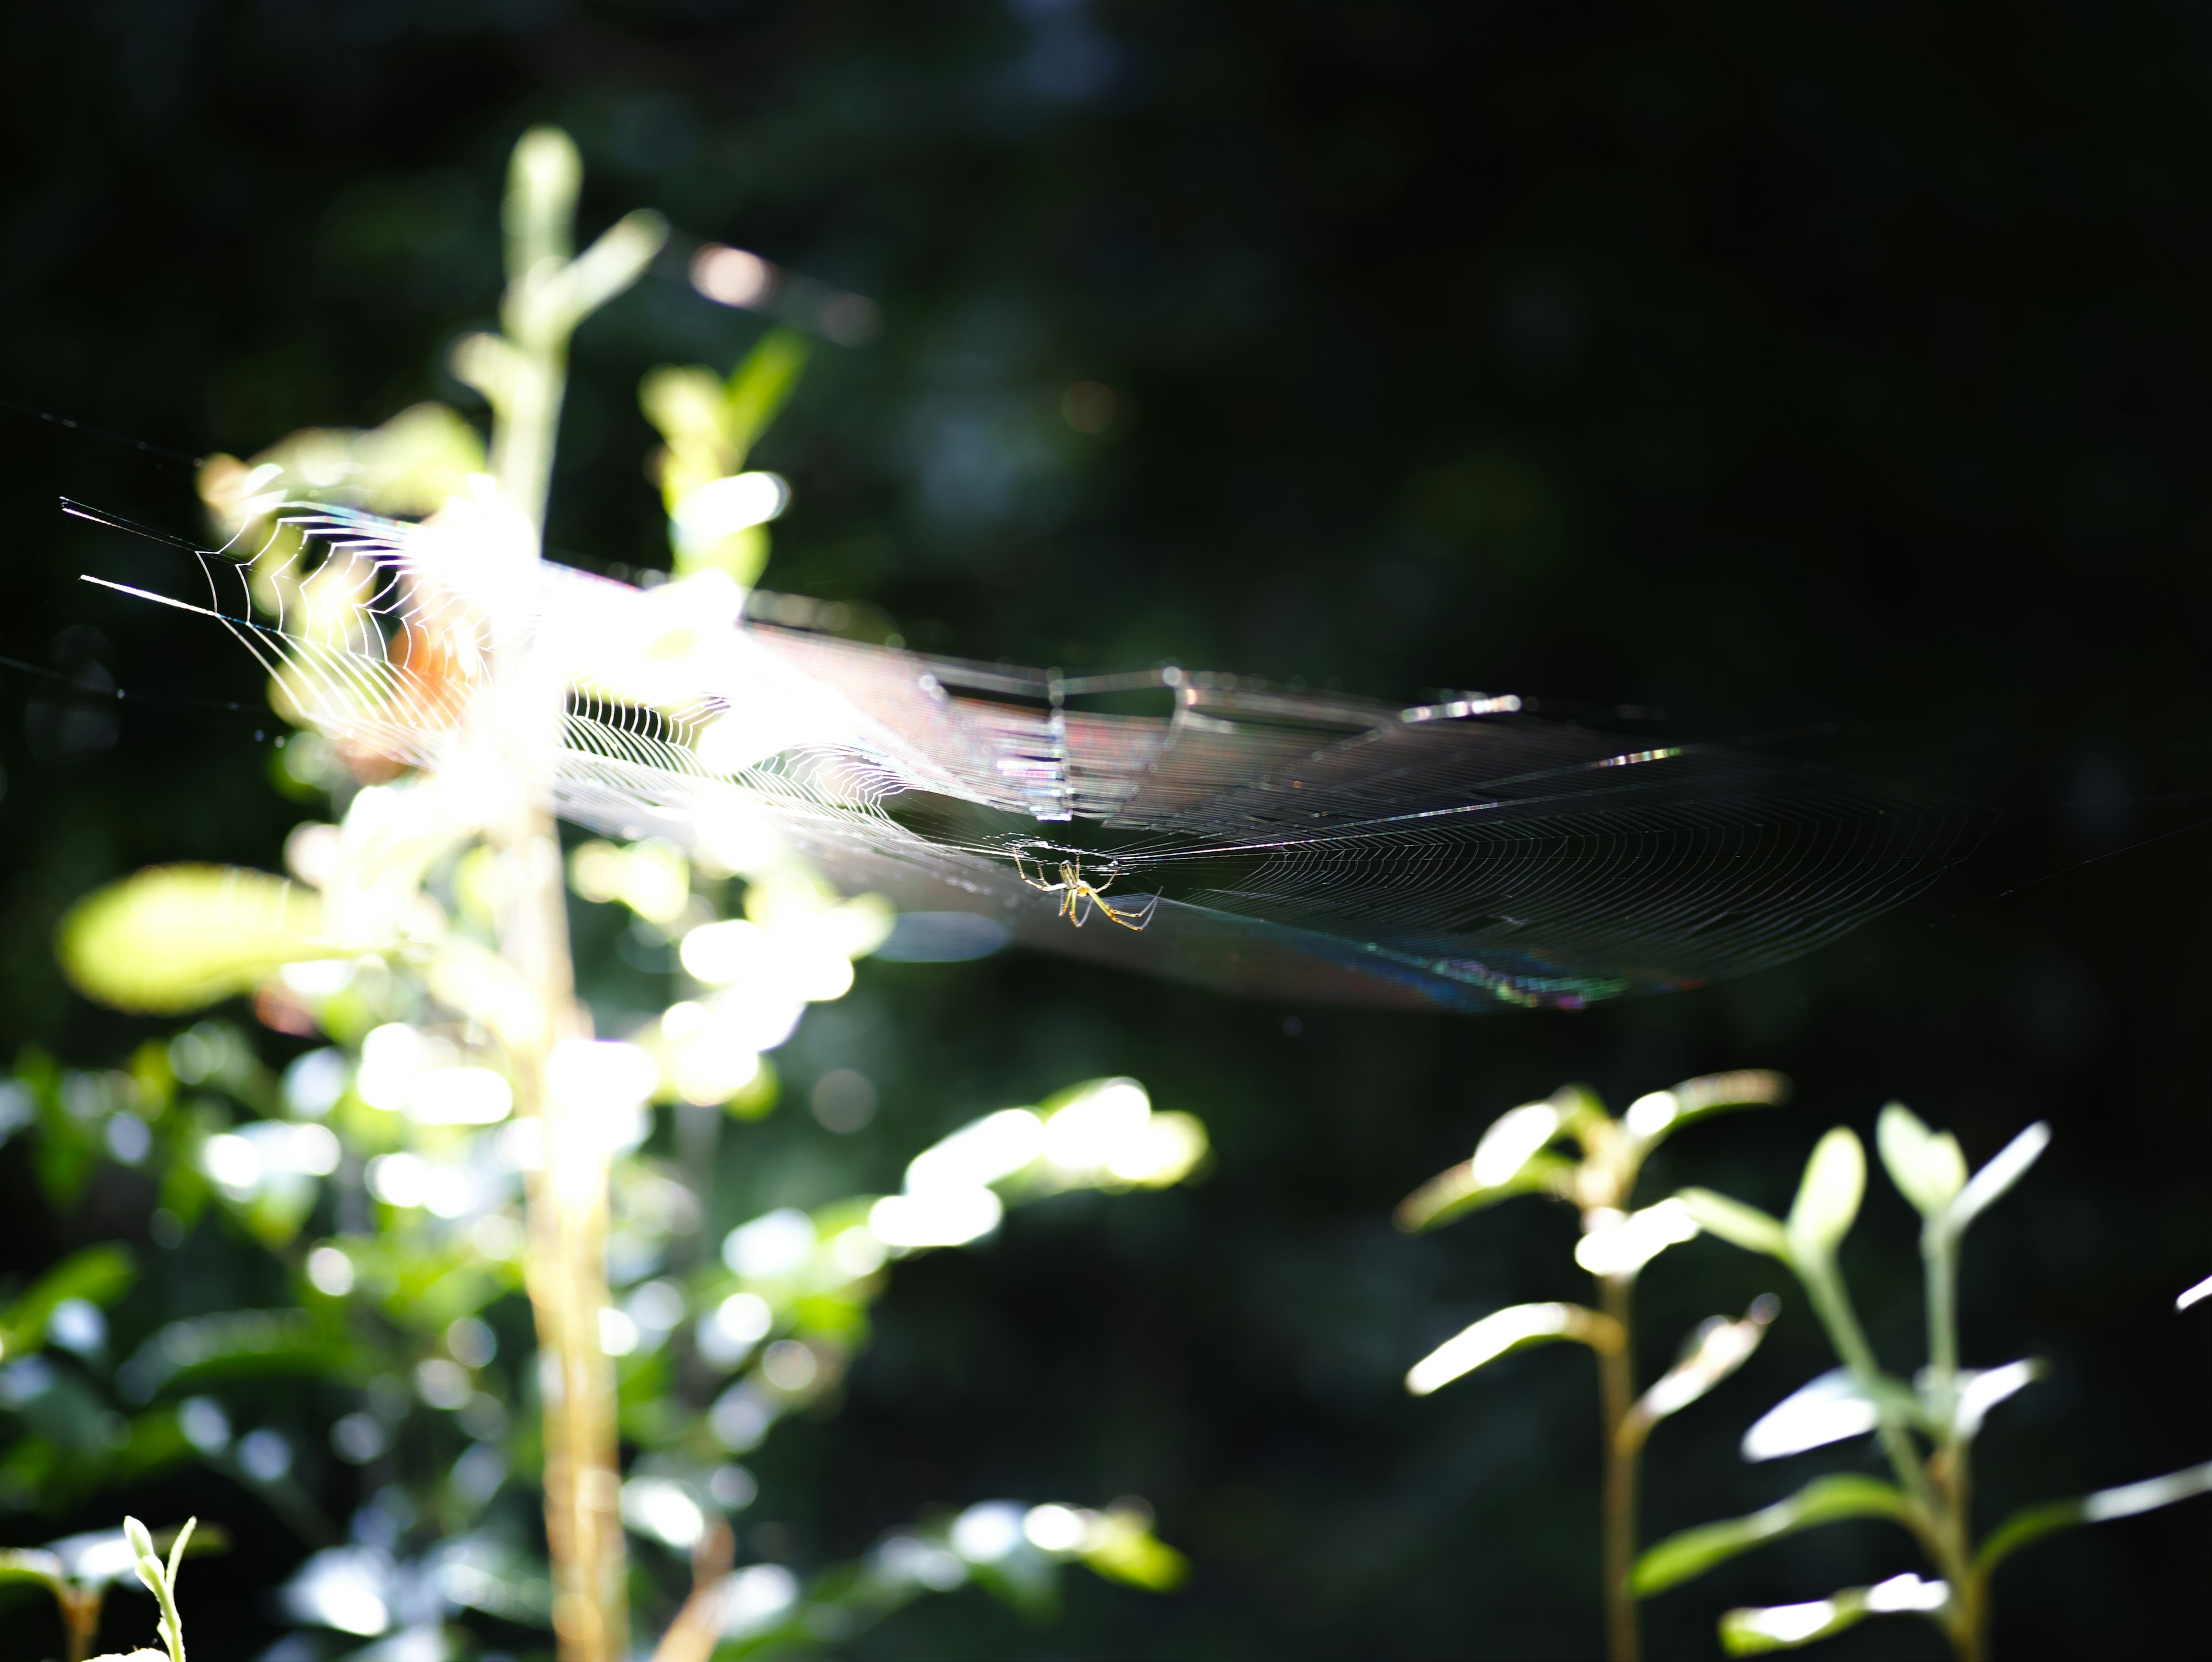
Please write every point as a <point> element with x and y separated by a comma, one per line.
<point>1829,1195</point>
<point>1788,1627</point>
<point>1755,1630</point>
<point>1653,1117</point>
<point>1735,1223</point>
<point>1127,1550</point>
<point>31,1564</point>
<point>1514,1137</point>
<point>1927,1167</point>
<point>174,938</point>
<point>1717,1349</point>
<point>1508,1329</point>
<point>98,1274</point>
<point>2032,1524</point>
<point>1823,1500</point>
<point>1455,1193</point>
<point>609,265</point>
<point>1989,1185</point>
<point>761,385</point>
<point>236,1344</point>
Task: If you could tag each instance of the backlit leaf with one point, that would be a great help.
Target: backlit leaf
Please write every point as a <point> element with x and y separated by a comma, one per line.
<point>1987,1185</point>
<point>1787,1626</point>
<point>2032,1524</point>
<point>1829,1195</point>
<point>1823,1500</point>
<point>174,938</point>
<point>1927,1167</point>
<point>1735,1223</point>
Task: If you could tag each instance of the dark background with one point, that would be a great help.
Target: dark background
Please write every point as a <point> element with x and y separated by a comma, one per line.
<point>1774,367</point>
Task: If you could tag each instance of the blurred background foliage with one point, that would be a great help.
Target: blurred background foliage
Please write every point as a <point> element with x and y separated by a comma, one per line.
<point>1771,369</point>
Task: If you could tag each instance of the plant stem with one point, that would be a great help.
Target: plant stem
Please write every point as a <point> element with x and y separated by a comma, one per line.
<point>1951,1465</point>
<point>1939,1510</point>
<point>566,1273</point>
<point>1618,1393</point>
<point>79,1617</point>
<point>1824,1286</point>
<point>1616,1367</point>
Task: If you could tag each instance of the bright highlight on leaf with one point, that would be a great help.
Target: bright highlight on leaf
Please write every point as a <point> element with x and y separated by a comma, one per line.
<point>1828,1196</point>
<point>1717,1348</point>
<point>1495,1334</point>
<point>1788,1627</point>
<point>1626,1246</point>
<point>1989,1185</point>
<point>1927,1167</point>
<point>1513,1139</point>
<point>174,937</point>
<point>1827,1410</point>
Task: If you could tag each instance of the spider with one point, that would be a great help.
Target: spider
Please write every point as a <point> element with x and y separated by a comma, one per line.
<point>1077,897</point>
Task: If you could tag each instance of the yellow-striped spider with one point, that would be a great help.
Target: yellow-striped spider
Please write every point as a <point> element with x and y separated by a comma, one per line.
<point>1077,897</point>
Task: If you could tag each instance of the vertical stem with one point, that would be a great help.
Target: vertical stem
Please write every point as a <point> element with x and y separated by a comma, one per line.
<point>567,1265</point>
<point>1617,1395</point>
<point>567,1274</point>
<point>1825,1287</point>
<point>79,1617</point>
<point>1951,1465</point>
<point>1942,1521</point>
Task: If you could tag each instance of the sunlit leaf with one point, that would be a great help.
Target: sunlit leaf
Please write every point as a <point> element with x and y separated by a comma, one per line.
<point>1622,1245</point>
<point>1989,1185</point>
<point>1787,1626</point>
<point>1506,1330</point>
<point>2032,1523</point>
<point>1981,1389</point>
<point>174,938</point>
<point>30,1564</point>
<point>408,467</point>
<point>1829,1194</point>
<point>1455,1193</point>
<point>1735,1223</point>
<point>762,385</point>
<point>1657,1115</point>
<point>1927,1167</point>
<point>1122,1547</point>
<point>1827,1410</point>
<point>1717,1349</point>
<point>1823,1500</point>
<point>1514,1137</point>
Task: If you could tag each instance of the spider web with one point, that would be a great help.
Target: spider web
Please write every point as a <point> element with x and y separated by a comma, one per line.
<point>1304,848</point>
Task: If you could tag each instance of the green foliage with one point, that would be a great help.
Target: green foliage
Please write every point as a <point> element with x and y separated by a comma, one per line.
<point>1515,1156</point>
<point>1945,1408</point>
<point>718,514</point>
<point>1927,1167</point>
<point>1827,1197</point>
<point>178,937</point>
<point>1824,1499</point>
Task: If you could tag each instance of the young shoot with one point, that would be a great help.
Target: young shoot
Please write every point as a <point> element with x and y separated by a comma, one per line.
<point>1521,1154</point>
<point>79,1571</point>
<point>1926,1428</point>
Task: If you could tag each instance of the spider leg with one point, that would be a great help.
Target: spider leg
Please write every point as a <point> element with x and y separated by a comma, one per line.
<point>1084,895</point>
<point>1041,888</point>
<point>1136,916</point>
